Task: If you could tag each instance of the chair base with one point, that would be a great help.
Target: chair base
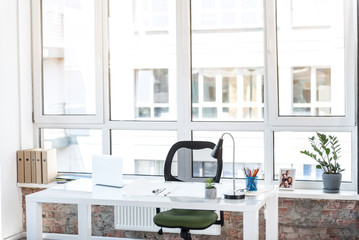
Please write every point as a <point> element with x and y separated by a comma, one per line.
<point>185,234</point>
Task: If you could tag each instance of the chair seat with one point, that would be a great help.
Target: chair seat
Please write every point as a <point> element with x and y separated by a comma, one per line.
<point>183,218</point>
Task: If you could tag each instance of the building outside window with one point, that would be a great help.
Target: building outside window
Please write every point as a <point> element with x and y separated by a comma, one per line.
<point>312,91</point>
<point>239,95</point>
<point>152,95</point>
<point>147,73</point>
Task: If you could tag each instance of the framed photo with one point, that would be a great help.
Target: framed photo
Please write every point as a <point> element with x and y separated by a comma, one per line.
<point>286,178</point>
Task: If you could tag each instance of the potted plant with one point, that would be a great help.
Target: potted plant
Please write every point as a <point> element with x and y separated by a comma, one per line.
<point>326,150</point>
<point>210,190</point>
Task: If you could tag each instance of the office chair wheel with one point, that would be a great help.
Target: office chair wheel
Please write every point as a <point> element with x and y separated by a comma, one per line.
<point>185,234</point>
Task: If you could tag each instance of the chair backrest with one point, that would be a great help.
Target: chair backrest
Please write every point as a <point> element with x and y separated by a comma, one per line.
<point>193,145</point>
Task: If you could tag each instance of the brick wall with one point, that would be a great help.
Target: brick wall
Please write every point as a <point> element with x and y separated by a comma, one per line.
<point>298,219</point>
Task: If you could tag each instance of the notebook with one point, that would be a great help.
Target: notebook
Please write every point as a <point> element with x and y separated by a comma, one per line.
<point>107,170</point>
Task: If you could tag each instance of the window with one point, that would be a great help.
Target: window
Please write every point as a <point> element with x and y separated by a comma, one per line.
<point>141,75</point>
<point>68,53</point>
<point>68,57</point>
<point>311,60</point>
<point>287,147</point>
<point>143,152</point>
<point>142,59</point>
<point>75,147</point>
<point>67,71</point>
<point>234,92</point>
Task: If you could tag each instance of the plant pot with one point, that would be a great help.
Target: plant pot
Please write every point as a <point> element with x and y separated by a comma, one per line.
<point>331,182</point>
<point>210,193</point>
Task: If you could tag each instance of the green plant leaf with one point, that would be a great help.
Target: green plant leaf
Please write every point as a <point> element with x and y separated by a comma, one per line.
<point>328,149</point>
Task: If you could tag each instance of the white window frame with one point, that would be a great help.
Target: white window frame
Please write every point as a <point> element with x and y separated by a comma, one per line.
<point>184,124</point>
<point>39,116</point>
<point>350,75</point>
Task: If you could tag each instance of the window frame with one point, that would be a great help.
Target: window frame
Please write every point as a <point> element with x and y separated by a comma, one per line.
<point>350,33</point>
<point>37,65</point>
<point>185,125</point>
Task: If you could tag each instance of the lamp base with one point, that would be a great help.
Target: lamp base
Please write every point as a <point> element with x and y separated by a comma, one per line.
<point>234,196</point>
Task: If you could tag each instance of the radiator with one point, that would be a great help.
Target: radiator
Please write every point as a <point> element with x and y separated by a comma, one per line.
<point>141,219</point>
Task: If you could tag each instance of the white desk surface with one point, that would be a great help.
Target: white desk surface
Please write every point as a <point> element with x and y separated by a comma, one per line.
<point>139,193</point>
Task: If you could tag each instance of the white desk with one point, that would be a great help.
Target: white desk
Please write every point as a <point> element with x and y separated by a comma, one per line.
<point>137,193</point>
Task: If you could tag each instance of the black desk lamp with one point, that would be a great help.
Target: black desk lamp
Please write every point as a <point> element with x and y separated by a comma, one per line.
<point>217,150</point>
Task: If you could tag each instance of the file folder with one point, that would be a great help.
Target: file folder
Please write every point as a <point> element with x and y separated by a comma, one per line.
<point>33,165</point>
<point>20,166</point>
<point>27,164</point>
<point>38,164</point>
<point>49,165</point>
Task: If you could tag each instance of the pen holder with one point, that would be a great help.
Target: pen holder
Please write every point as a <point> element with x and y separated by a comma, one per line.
<point>251,183</point>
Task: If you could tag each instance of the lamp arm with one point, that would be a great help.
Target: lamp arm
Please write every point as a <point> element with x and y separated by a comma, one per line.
<point>234,170</point>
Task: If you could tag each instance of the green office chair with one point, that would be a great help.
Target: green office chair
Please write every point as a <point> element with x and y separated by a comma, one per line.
<point>183,218</point>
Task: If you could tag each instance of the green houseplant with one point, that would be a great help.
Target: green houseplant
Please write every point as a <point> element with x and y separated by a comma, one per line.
<point>326,154</point>
<point>210,190</point>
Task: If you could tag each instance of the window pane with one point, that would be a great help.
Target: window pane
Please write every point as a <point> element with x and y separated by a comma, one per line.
<point>143,152</point>
<point>68,53</point>
<point>195,88</point>
<point>301,85</point>
<point>152,93</point>
<point>287,147</point>
<point>209,89</point>
<point>204,165</point>
<point>323,84</point>
<point>142,59</point>
<point>311,58</point>
<point>160,86</point>
<point>227,60</point>
<point>318,14</point>
<point>229,89</point>
<point>75,147</point>
<point>249,153</point>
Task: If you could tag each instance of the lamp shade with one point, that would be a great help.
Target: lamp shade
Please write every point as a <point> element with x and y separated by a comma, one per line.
<point>217,150</point>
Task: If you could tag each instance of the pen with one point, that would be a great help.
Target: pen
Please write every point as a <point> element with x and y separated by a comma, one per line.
<point>155,190</point>
<point>158,190</point>
<point>161,190</point>
<point>167,193</point>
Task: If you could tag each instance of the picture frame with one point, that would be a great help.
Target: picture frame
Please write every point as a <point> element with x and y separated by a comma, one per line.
<point>287,179</point>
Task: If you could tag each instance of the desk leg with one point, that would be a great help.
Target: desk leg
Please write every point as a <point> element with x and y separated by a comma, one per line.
<point>272,217</point>
<point>84,221</point>
<point>33,220</point>
<point>250,226</point>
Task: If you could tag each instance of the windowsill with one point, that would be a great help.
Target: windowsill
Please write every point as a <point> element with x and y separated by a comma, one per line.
<point>36,185</point>
<point>318,194</point>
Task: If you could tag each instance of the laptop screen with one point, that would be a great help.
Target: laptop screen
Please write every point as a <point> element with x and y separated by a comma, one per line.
<point>107,170</point>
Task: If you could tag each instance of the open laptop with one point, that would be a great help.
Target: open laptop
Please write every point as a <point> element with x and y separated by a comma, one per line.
<point>107,170</point>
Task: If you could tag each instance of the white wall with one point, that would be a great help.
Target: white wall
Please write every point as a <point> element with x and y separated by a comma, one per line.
<point>10,112</point>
